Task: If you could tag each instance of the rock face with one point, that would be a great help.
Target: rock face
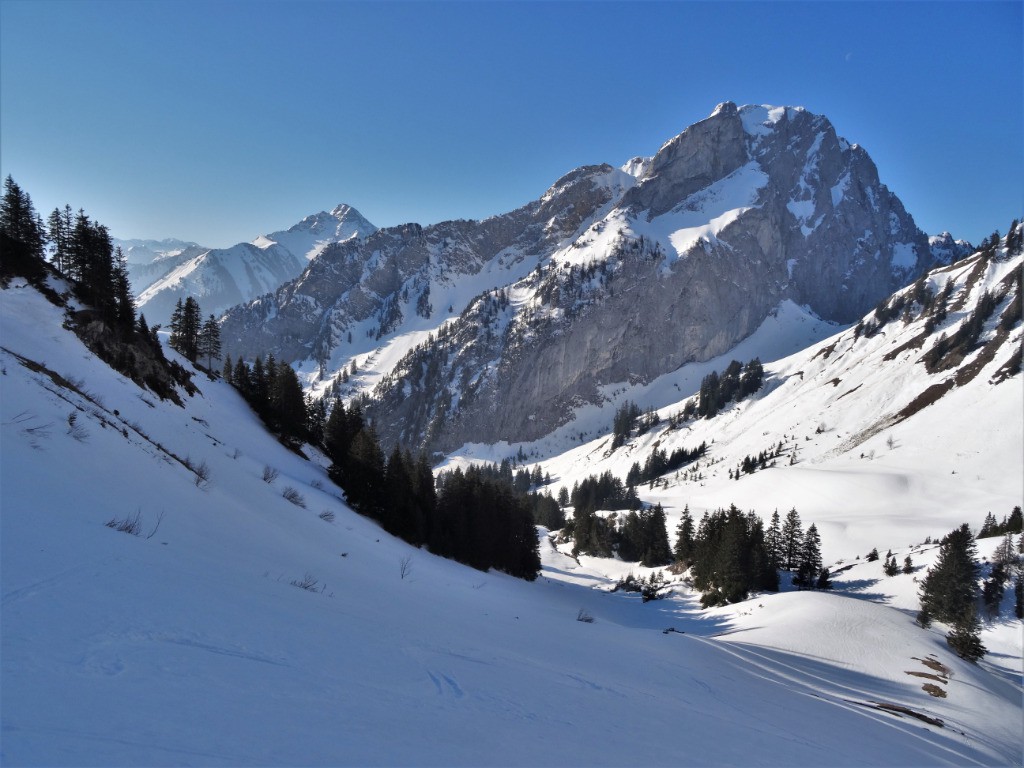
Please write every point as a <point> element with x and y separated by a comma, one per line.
<point>613,276</point>
<point>403,276</point>
<point>223,277</point>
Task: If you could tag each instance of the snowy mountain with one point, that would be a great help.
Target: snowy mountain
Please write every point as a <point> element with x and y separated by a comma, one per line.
<point>946,249</point>
<point>146,251</point>
<point>239,628</point>
<point>901,422</point>
<point>742,212</point>
<point>222,277</point>
<point>150,260</point>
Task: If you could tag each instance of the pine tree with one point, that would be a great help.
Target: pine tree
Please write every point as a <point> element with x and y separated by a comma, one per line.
<point>965,636</point>
<point>59,229</point>
<point>908,565</point>
<point>792,540</point>
<point>655,547</point>
<point>773,541</point>
<point>177,318</point>
<point>950,588</point>
<point>684,537</point>
<point>810,559</point>
<point>191,324</point>
<point>288,406</point>
<point>22,234</point>
<point>208,341</point>
<point>824,579</point>
<point>19,221</point>
<point>123,308</point>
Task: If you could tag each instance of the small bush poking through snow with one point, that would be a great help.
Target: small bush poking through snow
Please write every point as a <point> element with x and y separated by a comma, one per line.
<point>307,582</point>
<point>130,524</point>
<point>133,524</point>
<point>585,617</point>
<point>75,429</point>
<point>294,497</point>
<point>327,516</point>
<point>269,474</point>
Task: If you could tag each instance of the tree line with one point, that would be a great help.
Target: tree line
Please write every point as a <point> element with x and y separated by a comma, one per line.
<point>467,517</point>
<point>81,252</point>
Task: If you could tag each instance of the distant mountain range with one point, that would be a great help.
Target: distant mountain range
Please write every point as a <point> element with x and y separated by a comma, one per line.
<point>164,271</point>
<point>615,276</point>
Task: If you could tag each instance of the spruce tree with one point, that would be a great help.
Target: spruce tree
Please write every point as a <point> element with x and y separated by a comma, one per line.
<point>965,636</point>
<point>684,537</point>
<point>792,540</point>
<point>810,559</point>
<point>950,588</point>
<point>773,541</point>
<point>208,343</point>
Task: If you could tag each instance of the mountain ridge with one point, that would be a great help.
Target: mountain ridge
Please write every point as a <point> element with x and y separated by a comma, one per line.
<point>221,277</point>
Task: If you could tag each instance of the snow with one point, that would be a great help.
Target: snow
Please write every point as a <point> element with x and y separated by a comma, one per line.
<point>839,190</point>
<point>705,213</point>
<point>904,256</point>
<point>193,646</point>
<point>760,120</point>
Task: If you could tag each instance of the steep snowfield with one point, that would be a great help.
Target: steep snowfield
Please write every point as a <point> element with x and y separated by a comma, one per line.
<point>192,646</point>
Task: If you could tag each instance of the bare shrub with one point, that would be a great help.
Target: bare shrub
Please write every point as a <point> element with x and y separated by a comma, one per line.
<point>585,617</point>
<point>131,524</point>
<point>307,582</point>
<point>292,495</point>
<point>269,474</point>
<point>76,430</point>
<point>202,471</point>
<point>327,516</point>
<point>404,566</point>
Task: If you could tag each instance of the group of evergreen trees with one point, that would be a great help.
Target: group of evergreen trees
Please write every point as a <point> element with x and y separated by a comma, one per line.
<point>469,517</point>
<point>1012,523</point>
<point>545,509</point>
<point>730,557</point>
<point>736,382</point>
<point>192,337</point>
<point>660,461</point>
<point>639,535</point>
<point>275,393</point>
<point>731,553</point>
<point>81,249</point>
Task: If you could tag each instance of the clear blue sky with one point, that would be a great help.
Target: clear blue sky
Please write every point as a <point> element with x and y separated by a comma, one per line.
<point>219,121</point>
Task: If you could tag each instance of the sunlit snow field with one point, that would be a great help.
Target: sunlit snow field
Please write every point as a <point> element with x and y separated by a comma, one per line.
<point>193,646</point>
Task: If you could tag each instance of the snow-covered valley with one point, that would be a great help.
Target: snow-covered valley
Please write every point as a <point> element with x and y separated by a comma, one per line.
<point>241,628</point>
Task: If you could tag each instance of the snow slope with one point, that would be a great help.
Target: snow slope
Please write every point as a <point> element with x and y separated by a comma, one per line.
<point>192,645</point>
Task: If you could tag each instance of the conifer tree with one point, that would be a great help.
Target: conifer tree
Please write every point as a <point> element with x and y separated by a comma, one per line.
<point>965,636</point>
<point>773,541</point>
<point>950,588</point>
<point>123,309</point>
<point>208,343</point>
<point>684,537</point>
<point>810,559</point>
<point>792,540</point>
